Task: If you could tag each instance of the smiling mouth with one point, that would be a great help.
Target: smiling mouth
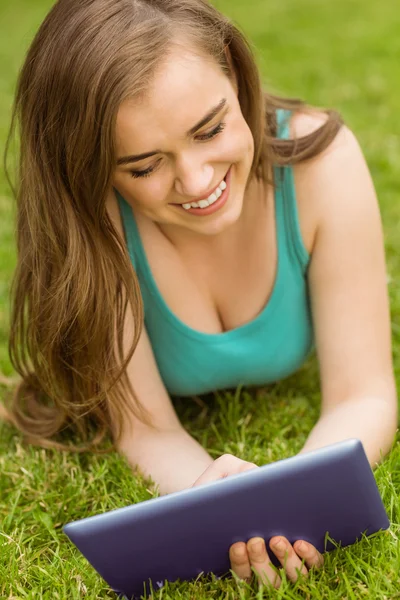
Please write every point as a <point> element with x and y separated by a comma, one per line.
<point>207,197</point>
<point>220,198</point>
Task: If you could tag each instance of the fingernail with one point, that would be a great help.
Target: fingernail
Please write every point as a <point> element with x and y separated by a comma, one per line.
<point>303,546</point>
<point>239,551</point>
<point>279,545</point>
<point>257,547</point>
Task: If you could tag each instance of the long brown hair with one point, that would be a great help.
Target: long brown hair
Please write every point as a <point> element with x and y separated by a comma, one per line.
<point>74,279</point>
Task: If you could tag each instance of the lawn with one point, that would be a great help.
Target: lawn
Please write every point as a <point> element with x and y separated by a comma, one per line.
<point>342,54</point>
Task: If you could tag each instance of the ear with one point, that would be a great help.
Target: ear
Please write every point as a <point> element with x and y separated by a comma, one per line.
<point>233,76</point>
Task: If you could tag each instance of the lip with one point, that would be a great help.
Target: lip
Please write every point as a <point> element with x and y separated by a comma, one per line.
<point>218,204</point>
<point>202,197</point>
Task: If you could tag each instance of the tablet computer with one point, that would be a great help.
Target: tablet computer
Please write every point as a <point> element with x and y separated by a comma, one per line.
<point>179,536</point>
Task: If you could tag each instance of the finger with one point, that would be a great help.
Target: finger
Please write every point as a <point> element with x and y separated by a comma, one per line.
<point>248,467</point>
<point>309,553</point>
<point>261,562</point>
<point>223,467</point>
<point>240,560</point>
<point>288,558</point>
<point>228,464</point>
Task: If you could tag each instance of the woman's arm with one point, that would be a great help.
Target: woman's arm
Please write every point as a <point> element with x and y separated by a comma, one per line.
<point>167,454</point>
<point>371,420</point>
<point>349,300</point>
<point>173,459</point>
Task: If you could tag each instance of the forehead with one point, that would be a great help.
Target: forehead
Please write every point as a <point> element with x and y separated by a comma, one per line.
<point>181,92</point>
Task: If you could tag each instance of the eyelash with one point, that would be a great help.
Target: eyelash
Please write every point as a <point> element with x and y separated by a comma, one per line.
<point>206,137</point>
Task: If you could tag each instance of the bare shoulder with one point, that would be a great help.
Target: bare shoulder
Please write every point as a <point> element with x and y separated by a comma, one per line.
<point>326,175</point>
<point>305,123</point>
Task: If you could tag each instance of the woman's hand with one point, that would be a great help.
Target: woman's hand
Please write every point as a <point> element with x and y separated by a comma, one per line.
<point>249,555</point>
<point>254,554</point>
<point>222,467</point>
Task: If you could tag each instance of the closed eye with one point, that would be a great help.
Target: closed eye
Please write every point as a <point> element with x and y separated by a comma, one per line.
<point>213,132</point>
<point>204,137</point>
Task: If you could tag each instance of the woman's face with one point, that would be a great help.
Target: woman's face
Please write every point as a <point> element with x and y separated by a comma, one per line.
<point>184,165</point>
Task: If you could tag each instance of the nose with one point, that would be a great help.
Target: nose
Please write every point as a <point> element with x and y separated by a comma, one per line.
<point>193,181</point>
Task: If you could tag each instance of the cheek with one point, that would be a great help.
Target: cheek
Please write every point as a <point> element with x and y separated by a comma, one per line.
<point>146,192</point>
<point>149,194</point>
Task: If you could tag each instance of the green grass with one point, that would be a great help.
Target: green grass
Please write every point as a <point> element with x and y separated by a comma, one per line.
<point>341,54</point>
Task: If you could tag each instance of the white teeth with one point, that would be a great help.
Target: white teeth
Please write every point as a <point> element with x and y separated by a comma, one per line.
<point>210,200</point>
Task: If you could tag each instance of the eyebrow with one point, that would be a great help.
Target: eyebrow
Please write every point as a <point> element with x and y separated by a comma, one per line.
<point>206,119</point>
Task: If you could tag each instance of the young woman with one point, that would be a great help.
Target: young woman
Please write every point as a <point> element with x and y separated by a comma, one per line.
<point>180,230</point>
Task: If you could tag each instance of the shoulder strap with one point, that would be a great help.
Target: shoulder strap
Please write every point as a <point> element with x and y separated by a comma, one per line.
<point>283,119</point>
<point>286,205</point>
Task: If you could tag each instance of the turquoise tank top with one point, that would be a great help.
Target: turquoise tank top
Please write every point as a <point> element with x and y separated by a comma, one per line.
<point>272,346</point>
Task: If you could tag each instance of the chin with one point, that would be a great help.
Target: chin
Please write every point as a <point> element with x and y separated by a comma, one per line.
<point>222,223</point>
